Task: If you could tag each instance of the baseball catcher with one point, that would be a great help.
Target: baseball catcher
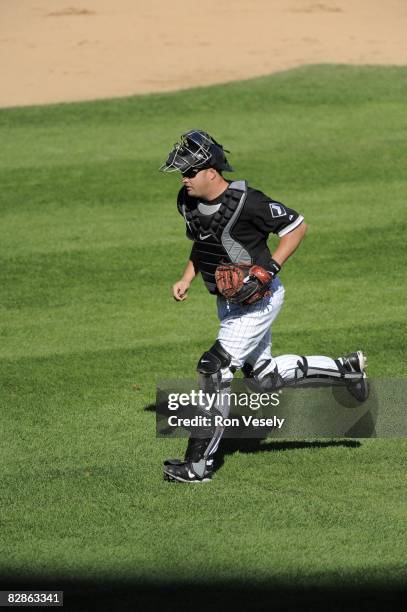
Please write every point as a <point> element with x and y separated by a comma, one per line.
<point>229,223</point>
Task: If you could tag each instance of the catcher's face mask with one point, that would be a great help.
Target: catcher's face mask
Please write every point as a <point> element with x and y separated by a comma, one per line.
<point>196,149</point>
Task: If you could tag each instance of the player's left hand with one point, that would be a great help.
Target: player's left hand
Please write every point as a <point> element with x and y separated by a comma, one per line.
<point>242,283</point>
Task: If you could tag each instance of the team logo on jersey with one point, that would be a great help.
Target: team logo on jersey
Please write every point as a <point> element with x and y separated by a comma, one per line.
<point>277,210</point>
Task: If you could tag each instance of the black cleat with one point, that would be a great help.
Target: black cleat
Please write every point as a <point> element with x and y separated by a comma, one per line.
<point>187,472</point>
<point>178,470</point>
<point>354,362</point>
<point>358,386</point>
<point>196,448</point>
<point>173,462</point>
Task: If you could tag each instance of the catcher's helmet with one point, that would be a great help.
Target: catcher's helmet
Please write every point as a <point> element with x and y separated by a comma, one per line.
<point>196,149</point>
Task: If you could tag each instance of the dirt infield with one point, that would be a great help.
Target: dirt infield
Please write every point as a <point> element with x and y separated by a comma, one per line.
<point>57,50</point>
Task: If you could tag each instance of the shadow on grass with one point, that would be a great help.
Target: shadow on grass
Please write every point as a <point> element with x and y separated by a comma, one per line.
<point>150,408</point>
<point>229,446</point>
<point>107,594</point>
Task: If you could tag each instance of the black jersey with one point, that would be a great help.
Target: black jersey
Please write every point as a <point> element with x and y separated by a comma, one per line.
<point>252,220</point>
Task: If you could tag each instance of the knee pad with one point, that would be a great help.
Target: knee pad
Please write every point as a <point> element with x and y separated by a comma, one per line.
<point>215,374</point>
<point>214,368</point>
<point>247,370</point>
<point>214,360</point>
<point>257,380</point>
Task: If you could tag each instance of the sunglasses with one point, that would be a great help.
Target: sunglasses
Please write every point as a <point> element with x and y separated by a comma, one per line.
<point>191,173</point>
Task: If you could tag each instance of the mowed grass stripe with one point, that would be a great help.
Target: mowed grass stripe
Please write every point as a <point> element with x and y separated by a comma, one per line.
<point>90,243</point>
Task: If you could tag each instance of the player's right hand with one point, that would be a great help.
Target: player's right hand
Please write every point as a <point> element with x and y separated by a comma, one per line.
<point>180,290</point>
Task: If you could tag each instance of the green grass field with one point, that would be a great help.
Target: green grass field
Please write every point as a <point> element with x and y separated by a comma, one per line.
<point>90,244</point>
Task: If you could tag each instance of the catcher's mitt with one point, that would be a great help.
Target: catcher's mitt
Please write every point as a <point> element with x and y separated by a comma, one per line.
<point>242,283</point>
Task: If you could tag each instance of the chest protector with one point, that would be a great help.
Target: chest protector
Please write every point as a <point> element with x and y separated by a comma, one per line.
<point>215,244</point>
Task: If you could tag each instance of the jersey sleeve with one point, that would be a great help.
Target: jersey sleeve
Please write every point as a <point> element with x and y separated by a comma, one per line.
<point>273,217</point>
